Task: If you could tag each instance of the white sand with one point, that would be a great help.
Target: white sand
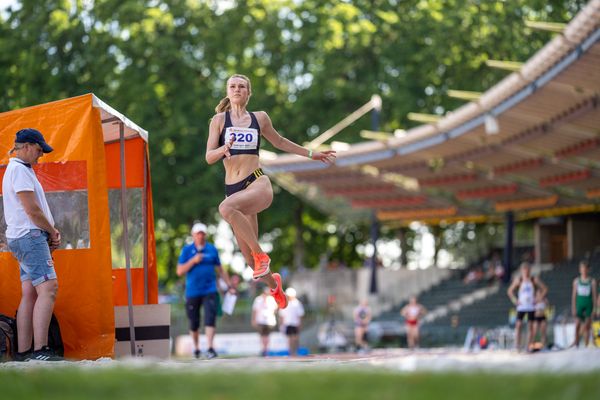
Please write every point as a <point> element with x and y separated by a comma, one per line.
<point>392,360</point>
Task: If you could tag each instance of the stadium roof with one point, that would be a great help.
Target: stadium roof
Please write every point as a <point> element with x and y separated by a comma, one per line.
<point>544,159</point>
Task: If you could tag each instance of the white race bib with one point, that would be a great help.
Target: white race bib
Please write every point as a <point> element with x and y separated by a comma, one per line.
<point>244,138</point>
<point>584,290</point>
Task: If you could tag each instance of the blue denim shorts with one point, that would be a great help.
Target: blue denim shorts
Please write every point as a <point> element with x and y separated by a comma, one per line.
<point>33,253</point>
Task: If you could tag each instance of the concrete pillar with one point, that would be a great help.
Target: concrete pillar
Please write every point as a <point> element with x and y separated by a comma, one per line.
<point>374,238</point>
<point>509,222</point>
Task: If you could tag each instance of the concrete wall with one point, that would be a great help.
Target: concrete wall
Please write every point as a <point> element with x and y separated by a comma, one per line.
<point>542,235</point>
<point>583,234</point>
<point>349,286</point>
<point>544,232</point>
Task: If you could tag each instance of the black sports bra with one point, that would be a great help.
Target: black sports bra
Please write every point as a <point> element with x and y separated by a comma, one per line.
<point>247,140</point>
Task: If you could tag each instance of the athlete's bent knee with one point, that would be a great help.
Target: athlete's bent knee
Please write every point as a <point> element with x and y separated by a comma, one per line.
<point>226,211</point>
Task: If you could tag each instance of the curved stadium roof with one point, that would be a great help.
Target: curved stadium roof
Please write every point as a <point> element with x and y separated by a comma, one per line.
<point>545,159</point>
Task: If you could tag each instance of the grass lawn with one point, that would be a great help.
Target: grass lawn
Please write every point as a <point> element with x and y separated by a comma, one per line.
<point>375,384</point>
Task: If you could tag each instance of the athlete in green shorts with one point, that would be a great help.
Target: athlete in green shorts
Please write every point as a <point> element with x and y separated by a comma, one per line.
<point>583,301</point>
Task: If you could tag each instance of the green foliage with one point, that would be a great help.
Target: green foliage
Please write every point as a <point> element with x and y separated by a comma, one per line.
<point>335,239</point>
<point>468,242</point>
<point>164,65</point>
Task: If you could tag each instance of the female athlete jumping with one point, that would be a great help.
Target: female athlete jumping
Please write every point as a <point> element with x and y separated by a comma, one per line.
<point>234,137</point>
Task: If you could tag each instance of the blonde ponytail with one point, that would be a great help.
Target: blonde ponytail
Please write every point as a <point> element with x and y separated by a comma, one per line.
<point>224,105</point>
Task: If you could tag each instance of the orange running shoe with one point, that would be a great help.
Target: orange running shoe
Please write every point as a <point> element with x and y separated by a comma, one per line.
<point>278,294</point>
<point>261,265</point>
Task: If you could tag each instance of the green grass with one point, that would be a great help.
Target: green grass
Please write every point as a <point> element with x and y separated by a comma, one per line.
<point>111,384</point>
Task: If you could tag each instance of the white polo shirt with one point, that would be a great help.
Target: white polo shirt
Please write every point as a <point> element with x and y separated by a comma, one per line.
<point>292,314</point>
<point>18,177</point>
<point>265,308</point>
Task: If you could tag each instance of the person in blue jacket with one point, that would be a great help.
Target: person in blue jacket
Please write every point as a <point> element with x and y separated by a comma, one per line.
<point>199,262</point>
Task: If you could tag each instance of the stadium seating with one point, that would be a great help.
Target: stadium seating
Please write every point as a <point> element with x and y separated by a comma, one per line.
<point>493,310</point>
<point>439,295</point>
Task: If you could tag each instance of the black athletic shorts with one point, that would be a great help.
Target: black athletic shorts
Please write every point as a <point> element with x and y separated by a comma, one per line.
<point>192,306</point>
<point>540,318</point>
<point>264,330</point>
<point>244,183</point>
<point>521,314</point>
<point>291,330</point>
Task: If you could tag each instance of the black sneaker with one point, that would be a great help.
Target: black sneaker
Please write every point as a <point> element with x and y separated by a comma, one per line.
<point>44,354</point>
<point>211,353</point>
<point>197,353</point>
<point>24,356</point>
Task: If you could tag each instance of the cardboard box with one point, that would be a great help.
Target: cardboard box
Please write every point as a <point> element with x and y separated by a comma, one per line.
<point>152,331</point>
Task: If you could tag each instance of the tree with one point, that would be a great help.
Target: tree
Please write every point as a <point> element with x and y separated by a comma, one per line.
<point>165,63</point>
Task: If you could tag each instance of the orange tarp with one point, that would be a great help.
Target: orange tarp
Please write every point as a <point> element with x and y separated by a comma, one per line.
<point>134,159</point>
<point>70,175</point>
<point>134,177</point>
<point>85,300</point>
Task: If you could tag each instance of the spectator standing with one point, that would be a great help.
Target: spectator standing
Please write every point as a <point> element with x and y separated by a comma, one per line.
<point>362,318</point>
<point>264,320</point>
<point>31,237</point>
<point>291,320</point>
<point>199,261</point>
<point>541,305</point>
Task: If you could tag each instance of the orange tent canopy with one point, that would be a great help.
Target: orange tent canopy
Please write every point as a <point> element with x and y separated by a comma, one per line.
<point>83,183</point>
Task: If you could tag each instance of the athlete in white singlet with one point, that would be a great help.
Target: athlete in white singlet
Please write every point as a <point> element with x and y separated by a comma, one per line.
<point>412,312</point>
<point>526,286</point>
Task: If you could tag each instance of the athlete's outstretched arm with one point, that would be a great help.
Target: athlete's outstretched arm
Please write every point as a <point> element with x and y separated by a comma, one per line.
<point>283,144</point>
<point>214,152</point>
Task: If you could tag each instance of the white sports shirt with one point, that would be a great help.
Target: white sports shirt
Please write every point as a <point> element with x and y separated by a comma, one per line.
<point>292,314</point>
<point>18,177</point>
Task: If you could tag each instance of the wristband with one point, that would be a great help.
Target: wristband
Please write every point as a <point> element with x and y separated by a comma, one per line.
<point>310,154</point>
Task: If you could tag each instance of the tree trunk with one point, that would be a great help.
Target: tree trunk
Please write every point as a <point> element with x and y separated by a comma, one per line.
<point>403,247</point>
<point>437,243</point>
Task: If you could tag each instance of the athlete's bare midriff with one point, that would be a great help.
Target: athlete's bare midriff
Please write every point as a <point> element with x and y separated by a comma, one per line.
<point>239,167</point>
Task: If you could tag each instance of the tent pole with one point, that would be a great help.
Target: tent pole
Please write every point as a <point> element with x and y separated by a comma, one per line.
<point>374,222</point>
<point>126,239</point>
<point>145,222</point>
<point>374,266</point>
